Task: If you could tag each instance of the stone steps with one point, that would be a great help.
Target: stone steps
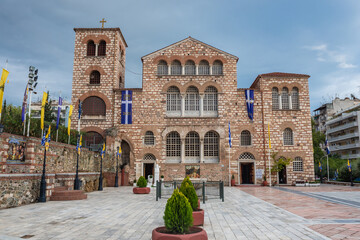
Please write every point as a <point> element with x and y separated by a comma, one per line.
<point>62,194</point>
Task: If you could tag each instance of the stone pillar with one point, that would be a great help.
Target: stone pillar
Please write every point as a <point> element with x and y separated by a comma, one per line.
<point>280,102</point>
<point>201,150</point>
<point>182,150</point>
<point>169,70</point>
<point>182,70</point>
<point>96,49</point>
<point>290,102</point>
<point>196,69</point>
<point>183,104</point>
<point>201,105</point>
<point>210,70</point>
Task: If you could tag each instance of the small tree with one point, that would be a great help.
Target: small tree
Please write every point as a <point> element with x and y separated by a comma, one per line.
<point>190,193</point>
<point>279,163</point>
<point>186,180</point>
<point>141,183</point>
<point>178,213</point>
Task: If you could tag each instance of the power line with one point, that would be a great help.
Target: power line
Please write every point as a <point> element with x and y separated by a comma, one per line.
<point>132,71</point>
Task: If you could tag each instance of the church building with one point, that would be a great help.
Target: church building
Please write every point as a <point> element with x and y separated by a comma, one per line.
<point>180,117</point>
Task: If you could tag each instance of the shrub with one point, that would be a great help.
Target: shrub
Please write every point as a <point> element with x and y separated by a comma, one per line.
<point>178,213</point>
<point>190,193</point>
<point>141,182</point>
<point>186,180</point>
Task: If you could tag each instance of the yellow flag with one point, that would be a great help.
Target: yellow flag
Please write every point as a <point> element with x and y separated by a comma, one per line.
<point>47,138</point>
<point>120,150</point>
<point>69,122</point>
<point>4,76</point>
<point>44,100</point>
<point>269,135</point>
<point>79,148</point>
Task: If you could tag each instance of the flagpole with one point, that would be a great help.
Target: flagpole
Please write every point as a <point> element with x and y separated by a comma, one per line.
<point>57,126</point>
<point>269,154</point>
<point>327,162</point>
<point>229,165</point>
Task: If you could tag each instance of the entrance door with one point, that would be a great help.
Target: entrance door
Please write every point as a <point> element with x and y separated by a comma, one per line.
<point>148,170</point>
<point>282,176</point>
<point>125,160</point>
<point>247,173</point>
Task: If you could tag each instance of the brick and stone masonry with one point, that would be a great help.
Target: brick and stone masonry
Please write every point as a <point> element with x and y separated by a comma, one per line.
<point>149,109</point>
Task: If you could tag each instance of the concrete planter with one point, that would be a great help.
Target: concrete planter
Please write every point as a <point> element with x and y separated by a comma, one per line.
<point>198,217</point>
<point>300,185</point>
<point>144,190</point>
<point>314,184</point>
<point>197,234</point>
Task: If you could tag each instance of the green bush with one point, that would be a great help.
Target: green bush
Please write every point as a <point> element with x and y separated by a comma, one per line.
<point>190,193</point>
<point>344,174</point>
<point>178,213</point>
<point>186,180</point>
<point>141,182</point>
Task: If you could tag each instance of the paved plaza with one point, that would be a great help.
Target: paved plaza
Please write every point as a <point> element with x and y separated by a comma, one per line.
<point>247,213</point>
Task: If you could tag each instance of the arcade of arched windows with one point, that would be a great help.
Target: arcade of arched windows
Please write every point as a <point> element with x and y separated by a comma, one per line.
<point>96,49</point>
<point>285,100</point>
<point>190,68</point>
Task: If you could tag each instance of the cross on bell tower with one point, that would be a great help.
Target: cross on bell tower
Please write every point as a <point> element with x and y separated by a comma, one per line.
<point>102,23</point>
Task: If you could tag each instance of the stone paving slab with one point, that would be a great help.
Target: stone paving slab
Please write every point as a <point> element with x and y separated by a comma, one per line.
<point>117,213</point>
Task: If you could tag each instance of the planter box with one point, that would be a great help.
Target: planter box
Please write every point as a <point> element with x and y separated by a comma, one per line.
<point>300,184</point>
<point>144,190</point>
<point>198,217</point>
<point>199,234</point>
<point>314,184</point>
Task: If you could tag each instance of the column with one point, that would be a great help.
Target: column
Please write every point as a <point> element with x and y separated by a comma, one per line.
<point>169,70</point>
<point>183,104</point>
<point>96,49</point>
<point>290,102</point>
<point>280,102</point>
<point>201,150</point>
<point>197,70</point>
<point>201,105</point>
<point>210,69</point>
<point>182,70</point>
<point>183,150</point>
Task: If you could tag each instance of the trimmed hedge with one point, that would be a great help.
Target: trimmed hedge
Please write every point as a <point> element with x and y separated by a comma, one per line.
<point>141,182</point>
<point>190,193</point>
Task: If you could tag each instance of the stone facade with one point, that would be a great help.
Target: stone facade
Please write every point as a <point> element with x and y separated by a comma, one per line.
<point>149,112</point>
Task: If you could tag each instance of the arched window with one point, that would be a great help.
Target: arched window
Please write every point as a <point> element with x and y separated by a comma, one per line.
<point>94,77</point>
<point>275,98</point>
<point>91,48</point>
<point>173,100</point>
<point>298,164</point>
<point>192,147</point>
<point>245,138</point>
<point>94,106</point>
<point>149,138</point>
<point>190,68</point>
<point>162,68</point>
<point>149,157</point>
<point>176,68</point>
<point>295,98</point>
<point>93,140</point>
<point>246,156</point>
<point>285,98</point>
<point>217,68</point>
<point>211,146</point>
<point>204,68</point>
<point>102,48</point>
<point>211,100</point>
<point>173,147</point>
<point>192,100</point>
<point>288,137</point>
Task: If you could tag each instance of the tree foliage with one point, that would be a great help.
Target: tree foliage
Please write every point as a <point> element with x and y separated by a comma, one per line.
<point>279,163</point>
<point>190,193</point>
<point>141,183</point>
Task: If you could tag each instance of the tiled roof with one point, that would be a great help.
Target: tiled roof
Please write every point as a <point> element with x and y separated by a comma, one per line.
<point>281,74</point>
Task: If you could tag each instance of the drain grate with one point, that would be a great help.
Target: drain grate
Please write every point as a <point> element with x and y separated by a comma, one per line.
<point>27,236</point>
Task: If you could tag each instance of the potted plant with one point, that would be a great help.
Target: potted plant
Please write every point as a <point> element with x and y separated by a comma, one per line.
<point>189,191</point>
<point>233,180</point>
<point>178,221</point>
<point>265,183</point>
<point>141,186</point>
<point>162,177</point>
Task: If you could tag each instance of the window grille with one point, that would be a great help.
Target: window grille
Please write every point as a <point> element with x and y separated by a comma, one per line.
<point>298,164</point>
<point>190,68</point>
<point>91,48</point>
<point>192,145</point>
<point>176,68</point>
<point>245,138</point>
<point>217,68</point>
<point>149,157</point>
<point>149,138</point>
<point>173,99</point>
<point>285,98</point>
<point>162,68</point>
<point>288,137</point>
<point>102,48</point>
<point>95,77</point>
<point>92,138</point>
<point>173,145</point>
<point>295,98</point>
<point>246,156</point>
<point>192,99</point>
<point>211,144</point>
<point>94,106</point>
<point>275,98</point>
<point>204,68</point>
<point>211,99</point>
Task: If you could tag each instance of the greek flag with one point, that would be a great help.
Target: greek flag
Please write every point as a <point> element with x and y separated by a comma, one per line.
<point>249,95</point>
<point>229,135</point>
<point>43,140</point>
<point>126,107</point>
<point>58,114</point>
<point>327,147</point>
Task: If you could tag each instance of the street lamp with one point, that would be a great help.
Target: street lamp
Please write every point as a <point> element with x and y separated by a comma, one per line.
<point>32,83</point>
<point>45,142</point>
<point>77,181</point>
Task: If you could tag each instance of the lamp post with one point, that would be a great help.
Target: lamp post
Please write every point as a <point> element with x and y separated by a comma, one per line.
<point>100,177</point>
<point>42,197</point>
<point>77,181</point>
<point>117,168</point>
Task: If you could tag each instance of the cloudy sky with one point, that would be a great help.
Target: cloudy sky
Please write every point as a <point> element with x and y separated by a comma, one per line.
<point>320,38</point>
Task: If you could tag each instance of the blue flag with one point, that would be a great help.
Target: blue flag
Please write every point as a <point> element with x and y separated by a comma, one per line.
<point>24,105</point>
<point>58,114</point>
<point>229,135</point>
<point>126,107</point>
<point>249,96</point>
<point>80,103</point>
<point>327,147</point>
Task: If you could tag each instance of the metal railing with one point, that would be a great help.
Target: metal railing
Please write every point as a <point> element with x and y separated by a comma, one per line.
<point>204,190</point>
